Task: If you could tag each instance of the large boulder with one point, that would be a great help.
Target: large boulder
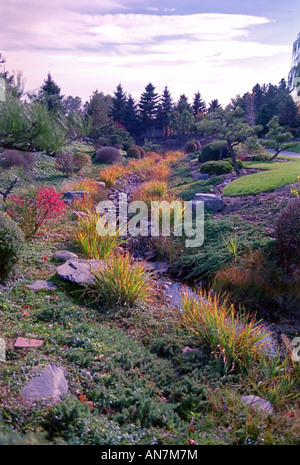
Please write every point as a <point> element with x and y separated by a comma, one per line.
<point>211,201</point>
<point>64,255</point>
<point>78,271</point>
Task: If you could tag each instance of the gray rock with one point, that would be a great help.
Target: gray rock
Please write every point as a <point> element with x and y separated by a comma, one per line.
<point>157,160</point>
<point>64,255</point>
<point>157,267</point>
<point>212,201</point>
<point>78,271</point>
<point>70,196</point>
<point>258,403</point>
<point>49,386</point>
<point>41,285</point>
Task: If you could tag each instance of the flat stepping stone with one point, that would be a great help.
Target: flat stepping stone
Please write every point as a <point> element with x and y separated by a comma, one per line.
<point>26,343</point>
<point>258,403</point>
<point>64,255</point>
<point>49,386</point>
<point>41,285</point>
<point>212,201</point>
<point>78,271</point>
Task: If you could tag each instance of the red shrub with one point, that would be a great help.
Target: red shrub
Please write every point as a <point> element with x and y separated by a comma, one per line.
<point>32,213</point>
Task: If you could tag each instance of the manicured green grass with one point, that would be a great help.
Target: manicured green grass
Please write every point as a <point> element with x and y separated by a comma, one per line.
<point>274,175</point>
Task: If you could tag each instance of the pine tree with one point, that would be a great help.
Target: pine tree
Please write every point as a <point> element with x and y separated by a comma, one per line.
<point>183,104</point>
<point>118,104</point>
<point>130,116</point>
<point>50,95</point>
<point>98,109</point>
<point>165,109</point>
<point>199,105</point>
<point>213,106</point>
<point>148,106</point>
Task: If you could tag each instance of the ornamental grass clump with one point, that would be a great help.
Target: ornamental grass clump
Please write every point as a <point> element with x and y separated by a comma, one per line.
<point>121,281</point>
<point>95,242</point>
<point>237,340</point>
<point>111,174</point>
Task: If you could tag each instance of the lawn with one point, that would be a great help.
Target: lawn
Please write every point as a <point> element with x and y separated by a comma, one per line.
<point>274,175</point>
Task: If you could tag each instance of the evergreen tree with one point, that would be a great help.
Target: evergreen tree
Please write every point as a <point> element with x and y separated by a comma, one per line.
<point>295,69</point>
<point>130,117</point>
<point>213,106</point>
<point>98,108</point>
<point>148,106</point>
<point>50,95</point>
<point>165,109</point>
<point>199,105</point>
<point>183,104</point>
<point>118,104</point>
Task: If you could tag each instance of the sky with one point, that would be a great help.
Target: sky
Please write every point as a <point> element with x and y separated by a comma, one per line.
<point>220,48</point>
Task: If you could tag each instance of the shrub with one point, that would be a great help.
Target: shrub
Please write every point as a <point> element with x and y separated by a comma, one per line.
<point>31,214</point>
<point>14,158</point>
<point>214,151</point>
<point>216,167</point>
<point>108,155</point>
<point>239,162</point>
<point>261,157</point>
<point>192,146</point>
<point>11,244</point>
<point>70,163</point>
<point>136,152</point>
<point>237,340</point>
<point>82,160</point>
<point>122,281</point>
<point>287,231</point>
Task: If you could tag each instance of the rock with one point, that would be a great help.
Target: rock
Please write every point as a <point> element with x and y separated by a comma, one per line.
<point>78,271</point>
<point>26,343</point>
<point>157,160</point>
<point>101,184</point>
<point>157,267</point>
<point>74,195</point>
<point>259,403</point>
<point>212,201</point>
<point>42,285</point>
<point>64,255</point>
<point>49,386</point>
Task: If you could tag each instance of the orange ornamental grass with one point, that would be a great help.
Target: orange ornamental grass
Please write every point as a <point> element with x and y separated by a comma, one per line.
<point>96,194</point>
<point>151,190</point>
<point>112,173</point>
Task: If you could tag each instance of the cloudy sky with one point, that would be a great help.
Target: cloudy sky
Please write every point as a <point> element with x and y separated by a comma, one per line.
<point>220,47</point>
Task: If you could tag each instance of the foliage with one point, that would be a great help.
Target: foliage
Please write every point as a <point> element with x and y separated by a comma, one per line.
<point>14,158</point>
<point>70,163</point>
<point>122,281</point>
<point>108,155</point>
<point>112,173</point>
<point>112,134</point>
<point>214,151</point>
<point>202,263</point>
<point>30,127</point>
<point>287,231</point>
<point>33,212</point>
<point>227,125</point>
<point>93,244</point>
<point>192,146</point>
<point>136,152</point>
<point>216,167</point>
<point>296,190</point>
<point>237,339</point>
<point>278,139</point>
<point>11,244</point>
